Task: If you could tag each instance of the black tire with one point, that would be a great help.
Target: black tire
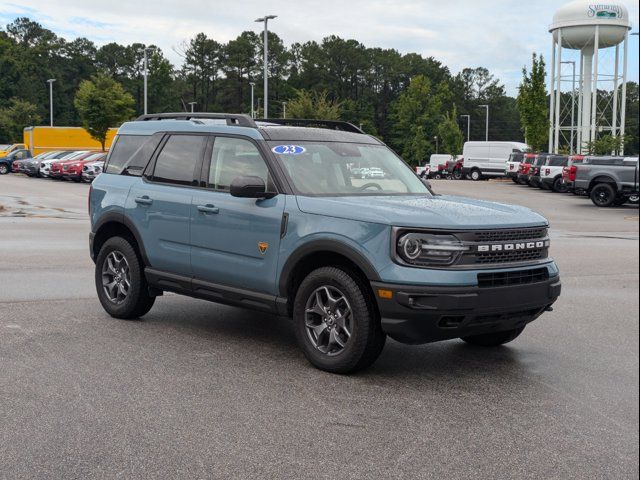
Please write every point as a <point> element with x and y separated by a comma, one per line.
<point>494,339</point>
<point>603,195</point>
<point>619,201</point>
<point>457,174</point>
<point>137,301</point>
<point>475,175</point>
<point>515,180</point>
<point>559,186</point>
<point>4,169</point>
<point>437,176</point>
<point>366,339</point>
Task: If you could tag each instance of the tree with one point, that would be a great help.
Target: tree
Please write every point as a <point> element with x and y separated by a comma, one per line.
<point>313,105</point>
<point>15,117</point>
<point>605,145</point>
<point>102,103</point>
<point>532,105</point>
<point>450,134</point>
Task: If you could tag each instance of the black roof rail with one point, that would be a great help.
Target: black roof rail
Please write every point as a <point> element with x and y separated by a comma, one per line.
<point>304,122</point>
<point>234,119</point>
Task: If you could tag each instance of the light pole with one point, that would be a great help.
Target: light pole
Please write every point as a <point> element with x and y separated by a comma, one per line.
<point>253,113</point>
<point>266,19</point>
<point>146,73</point>
<point>468,126</point>
<point>573,100</point>
<point>50,82</point>
<point>486,127</point>
<point>435,138</point>
<point>193,104</point>
<point>284,109</point>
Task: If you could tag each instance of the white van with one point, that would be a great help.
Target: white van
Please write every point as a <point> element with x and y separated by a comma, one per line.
<point>488,159</point>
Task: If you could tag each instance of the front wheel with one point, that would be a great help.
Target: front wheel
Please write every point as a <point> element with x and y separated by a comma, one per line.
<point>336,323</point>
<point>603,195</point>
<point>494,339</point>
<point>4,168</point>
<point>120,282</point>
<point>559,186</point>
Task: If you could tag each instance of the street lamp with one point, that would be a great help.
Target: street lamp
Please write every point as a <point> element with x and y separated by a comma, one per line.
<point>146,73</point>
<point>435,138</point>
<point>284,109</point>
<point>193,104</point>
<point>253,113</point>
<point>50,82</point>
<point>266,19</point>
<point>486,126</point>
<point>573,100</point>
<point>468,126</point>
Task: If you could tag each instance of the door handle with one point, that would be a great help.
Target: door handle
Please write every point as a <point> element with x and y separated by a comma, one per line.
<point>208,208</point>
<point>144,200</point>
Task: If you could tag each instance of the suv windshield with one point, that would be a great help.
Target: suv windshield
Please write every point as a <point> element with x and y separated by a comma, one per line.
<point>334,168</point>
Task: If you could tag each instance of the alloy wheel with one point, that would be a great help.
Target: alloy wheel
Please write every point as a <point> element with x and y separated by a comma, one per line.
<point>602,196</point>
<point>116,277</point>
<point>328,320</point>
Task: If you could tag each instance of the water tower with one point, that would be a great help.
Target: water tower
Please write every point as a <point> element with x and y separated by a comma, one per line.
<point>590,100</point>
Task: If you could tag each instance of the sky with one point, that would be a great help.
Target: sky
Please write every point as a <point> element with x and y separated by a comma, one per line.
<point>497,34</point>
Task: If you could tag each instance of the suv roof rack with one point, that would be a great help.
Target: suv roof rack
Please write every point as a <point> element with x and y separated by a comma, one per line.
<point>304,122</point>
<point>233,119</point>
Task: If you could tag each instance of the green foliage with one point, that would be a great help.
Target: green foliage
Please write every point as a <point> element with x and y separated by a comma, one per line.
<point>13,118</point>
<point>313,105</point>
<point>102,103</point>
<point>605,145</point>
<point>533,105</point>
<point>450,134</point>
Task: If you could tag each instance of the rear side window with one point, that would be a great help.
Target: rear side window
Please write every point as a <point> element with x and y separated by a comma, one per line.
<point>178,159</point>
<point>558,162</point>
<point>122,151</point>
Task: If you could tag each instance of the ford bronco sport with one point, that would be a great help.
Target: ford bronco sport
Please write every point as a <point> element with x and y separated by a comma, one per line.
<point>266,215</point>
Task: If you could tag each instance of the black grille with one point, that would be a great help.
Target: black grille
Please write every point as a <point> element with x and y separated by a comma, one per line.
<point>508,235</point>
<point>511,256</point>
<point>505,279</point>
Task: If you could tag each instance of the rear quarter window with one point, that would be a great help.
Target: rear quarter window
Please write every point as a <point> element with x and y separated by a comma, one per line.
<point>122,153</point>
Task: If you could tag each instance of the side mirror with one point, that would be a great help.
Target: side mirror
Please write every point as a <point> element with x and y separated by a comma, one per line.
<point>249,187</point>
<point>427,184</point>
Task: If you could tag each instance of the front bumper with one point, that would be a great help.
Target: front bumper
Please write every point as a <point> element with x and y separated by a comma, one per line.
<point>511,174</point>
<point>523,178</point>
<point>423,314</point>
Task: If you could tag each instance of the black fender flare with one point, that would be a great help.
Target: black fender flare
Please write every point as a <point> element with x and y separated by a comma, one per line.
<point>121,218</point>
<point>324,245</point>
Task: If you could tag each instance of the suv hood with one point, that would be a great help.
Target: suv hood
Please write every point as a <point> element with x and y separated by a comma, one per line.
<point>442,211</point>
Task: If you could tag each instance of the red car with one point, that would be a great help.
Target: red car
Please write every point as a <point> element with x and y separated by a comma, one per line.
<point>58,168</point>
<point>524,171</point>
<point>72,169</point>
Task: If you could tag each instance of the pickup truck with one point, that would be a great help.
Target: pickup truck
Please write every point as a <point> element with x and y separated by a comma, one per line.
<point>513,166</point>
<point>609,181</point>
<point>551,173</point>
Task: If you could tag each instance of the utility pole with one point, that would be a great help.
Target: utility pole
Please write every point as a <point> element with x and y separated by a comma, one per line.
<point>146,73</point>
<point>266,19</point>
<point>284,109</point>
<point>437,143</point>
<point>486,127</point>
<point>468,126</point>
<point>193,104</point>
<point>253,113</point>
<point>50,82</point>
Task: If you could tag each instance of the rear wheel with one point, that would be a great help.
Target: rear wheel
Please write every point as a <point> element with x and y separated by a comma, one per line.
<point>475,175</point>
<point>457,174</point>
<point>559,186</point>
<point>4,168</point>
<point>336,322</point>
<point>494,339</point>
<point>120,282</point>
<point>603,195</point>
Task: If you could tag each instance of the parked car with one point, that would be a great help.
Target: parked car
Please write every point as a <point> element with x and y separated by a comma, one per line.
<point>56,169</point>
<point>6,162</point>
<point>525,168</point>
<point>569,173</point>
<point>6,149</point>
<point>73,169</point>
<point>424,170</point>
<point>513,165</point>
<point>45,165</point>
<point>551,173</point>
<point>236,214</point>
<point>438,163</point>
<point>608,181</point>
<point>488,159</point>
<point>536,166</point>
<point>91,170</point>
<point>32,166</point>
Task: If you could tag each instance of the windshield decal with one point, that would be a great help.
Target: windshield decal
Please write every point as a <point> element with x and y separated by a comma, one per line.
<point>288,149</point>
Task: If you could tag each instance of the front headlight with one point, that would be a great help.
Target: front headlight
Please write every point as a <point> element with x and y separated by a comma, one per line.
<point>429,249</point>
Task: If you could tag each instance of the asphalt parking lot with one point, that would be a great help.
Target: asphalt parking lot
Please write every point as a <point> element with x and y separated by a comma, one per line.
<point>198,390</point>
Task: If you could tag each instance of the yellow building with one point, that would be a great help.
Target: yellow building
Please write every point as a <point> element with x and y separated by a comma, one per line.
<point>47,139</point>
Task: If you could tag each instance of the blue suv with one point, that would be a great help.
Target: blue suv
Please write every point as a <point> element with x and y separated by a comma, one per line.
<point>273,215</point>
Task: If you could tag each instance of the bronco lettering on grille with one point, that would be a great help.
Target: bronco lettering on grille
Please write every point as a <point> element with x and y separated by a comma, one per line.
<point>499,247</point>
